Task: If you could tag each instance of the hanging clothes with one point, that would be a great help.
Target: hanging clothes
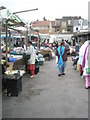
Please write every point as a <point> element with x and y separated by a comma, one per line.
<point>86,65</point>
<point>85,61</point>
<point>81,52</point>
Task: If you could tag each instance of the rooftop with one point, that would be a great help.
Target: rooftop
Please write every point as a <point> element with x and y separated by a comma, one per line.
<point>41,24</point>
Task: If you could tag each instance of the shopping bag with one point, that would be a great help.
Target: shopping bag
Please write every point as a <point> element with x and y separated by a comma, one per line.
<point>56,59</point>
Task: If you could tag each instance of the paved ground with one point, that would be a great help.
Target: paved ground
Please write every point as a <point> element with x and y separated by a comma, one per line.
<point>48,96</point>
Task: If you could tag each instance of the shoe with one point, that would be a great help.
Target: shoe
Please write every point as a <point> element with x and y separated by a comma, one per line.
<point>86,87</point>
<point>31,76</point>
<point>63,73</point>
<point>59,75</point>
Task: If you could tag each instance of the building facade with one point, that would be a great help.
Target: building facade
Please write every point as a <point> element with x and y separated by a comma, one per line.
<point>43,27</point>
<point>67,24</point>
<point>80,24</point>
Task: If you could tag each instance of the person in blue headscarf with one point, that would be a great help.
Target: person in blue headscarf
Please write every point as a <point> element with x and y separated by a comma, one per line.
<point>61,50</point>
<point>62,58</point>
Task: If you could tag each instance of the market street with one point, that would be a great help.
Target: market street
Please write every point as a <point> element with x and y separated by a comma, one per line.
<point>49,96</point>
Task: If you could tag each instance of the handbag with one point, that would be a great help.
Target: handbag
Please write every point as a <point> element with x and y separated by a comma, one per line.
<point>28,57</point>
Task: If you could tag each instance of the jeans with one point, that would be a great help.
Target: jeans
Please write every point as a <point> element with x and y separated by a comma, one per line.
<point>63,68</point>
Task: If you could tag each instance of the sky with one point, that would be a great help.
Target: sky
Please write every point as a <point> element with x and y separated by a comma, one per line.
<point>50,9</point>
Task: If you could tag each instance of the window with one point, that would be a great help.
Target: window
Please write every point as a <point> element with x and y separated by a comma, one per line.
<point>76,28</point>
<point>63,24</point>
<point>69,22</point>
<point>68,29</point>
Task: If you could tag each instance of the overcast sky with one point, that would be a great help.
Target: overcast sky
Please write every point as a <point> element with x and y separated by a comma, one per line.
<point>51,9</point>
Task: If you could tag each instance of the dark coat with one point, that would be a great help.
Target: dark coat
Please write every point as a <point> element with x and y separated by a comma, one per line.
<point>64,55</point>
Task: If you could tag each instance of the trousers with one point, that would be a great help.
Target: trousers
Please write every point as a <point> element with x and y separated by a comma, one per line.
<point>61,71</point>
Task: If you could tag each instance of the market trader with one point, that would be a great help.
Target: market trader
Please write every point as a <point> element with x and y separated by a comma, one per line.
<point>31,62</point>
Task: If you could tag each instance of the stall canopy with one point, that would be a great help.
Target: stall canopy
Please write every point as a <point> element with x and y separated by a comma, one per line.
<point>13,21</point>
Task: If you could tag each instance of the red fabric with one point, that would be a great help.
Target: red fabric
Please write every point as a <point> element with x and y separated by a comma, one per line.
<point>33,72</point>
<point>72,59</point>
<point>31,67</point>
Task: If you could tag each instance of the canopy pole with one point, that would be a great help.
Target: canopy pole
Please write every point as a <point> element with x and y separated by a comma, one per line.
<point>9,41</point>
<point>26,38</point>
<point>6,40</point>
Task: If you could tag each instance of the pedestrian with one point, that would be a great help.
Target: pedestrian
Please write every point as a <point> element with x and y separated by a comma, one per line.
<point>31,62</point>
<point>62,58</point>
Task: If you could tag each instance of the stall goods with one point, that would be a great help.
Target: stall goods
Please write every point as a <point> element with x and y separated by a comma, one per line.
<point>46,53</point>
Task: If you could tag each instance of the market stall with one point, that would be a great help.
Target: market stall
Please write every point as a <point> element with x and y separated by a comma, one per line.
<point>47,53</point>
<point>11,58</point>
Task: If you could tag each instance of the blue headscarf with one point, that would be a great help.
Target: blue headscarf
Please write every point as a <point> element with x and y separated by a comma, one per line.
<point>60,63</point>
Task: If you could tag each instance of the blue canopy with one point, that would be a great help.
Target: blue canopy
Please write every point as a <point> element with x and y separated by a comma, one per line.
<point>4,36</point>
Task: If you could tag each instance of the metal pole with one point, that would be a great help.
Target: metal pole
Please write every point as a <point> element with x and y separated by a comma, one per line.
<point>25,11</point>
<point>12,40</point>
<point>26,38</point>
<point>30,34</point>
<point>6,39</point>
<point>9,41</point>
<point>38,42</point>
<point>21,39</point>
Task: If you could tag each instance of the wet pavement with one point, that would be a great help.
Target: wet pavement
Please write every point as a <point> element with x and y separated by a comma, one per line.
<point>49,96</point>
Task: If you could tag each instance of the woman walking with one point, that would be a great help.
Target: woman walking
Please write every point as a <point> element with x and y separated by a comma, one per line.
<point>62,58</point>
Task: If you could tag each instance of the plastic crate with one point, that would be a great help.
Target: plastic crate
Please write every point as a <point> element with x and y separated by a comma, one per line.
<point>13,86</point>
<point>36,69</point>
<point>40,63</point>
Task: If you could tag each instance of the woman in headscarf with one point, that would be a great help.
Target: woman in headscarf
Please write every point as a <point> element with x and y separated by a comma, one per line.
<point>31,62</point>
<point>62,58</point>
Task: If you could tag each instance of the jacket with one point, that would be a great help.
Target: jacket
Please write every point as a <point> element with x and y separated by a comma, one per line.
<point>30,51</point>
<point>64,55</point>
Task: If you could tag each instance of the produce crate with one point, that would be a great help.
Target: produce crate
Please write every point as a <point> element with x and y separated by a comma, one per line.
<point>40,63</point>
<point>36,69</point>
